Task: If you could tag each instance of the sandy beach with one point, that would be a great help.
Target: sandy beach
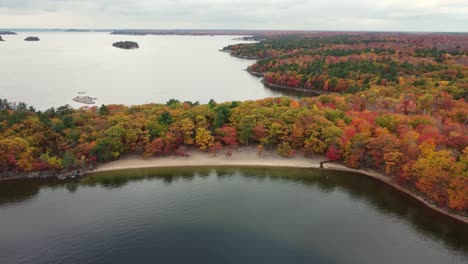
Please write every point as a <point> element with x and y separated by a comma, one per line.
<point>244,156</point>
<point>247,156</point>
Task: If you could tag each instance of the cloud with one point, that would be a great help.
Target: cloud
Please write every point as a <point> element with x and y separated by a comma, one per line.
<point>393,15</point>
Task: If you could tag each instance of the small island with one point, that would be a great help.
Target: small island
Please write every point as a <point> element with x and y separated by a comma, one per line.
<point>126,45</point>
<point>32,39</point>
<point>77,30</point>
<point>84,99</point>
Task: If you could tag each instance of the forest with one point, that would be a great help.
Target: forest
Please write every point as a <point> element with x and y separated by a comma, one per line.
<point>349,63</point>
<point>395,103</point>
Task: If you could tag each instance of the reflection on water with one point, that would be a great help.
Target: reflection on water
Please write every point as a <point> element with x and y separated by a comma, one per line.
<point>357,189</point>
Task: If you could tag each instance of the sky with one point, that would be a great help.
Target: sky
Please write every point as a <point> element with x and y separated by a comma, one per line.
<point>367,15</point>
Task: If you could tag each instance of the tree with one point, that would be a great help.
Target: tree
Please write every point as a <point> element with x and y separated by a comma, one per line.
<point>276,132</point>
<point>227,135</point>
<point>165,118</point>
<point>222,114</point>
<point>216,147</point>
<point>259,132</point>
<point>245,129</point>
<point>380,145</point>
<point>332,153</point>
<point>203,138</point>
<point>434,172</point>
<point>154,148</point>
<point>68,160</point>
<point>285,150</point>
<point>106,149</point>
<point>103,110</point>
<point>174,103</point>
<point>188,129</point>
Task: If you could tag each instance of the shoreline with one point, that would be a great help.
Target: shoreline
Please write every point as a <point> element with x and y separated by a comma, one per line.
<point>293,89</point>
<point>285,87</point>
<point>276,86</point>
<point>247,157</point>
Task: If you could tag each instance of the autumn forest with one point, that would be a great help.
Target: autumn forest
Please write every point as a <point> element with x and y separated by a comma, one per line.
<point>392,102</point>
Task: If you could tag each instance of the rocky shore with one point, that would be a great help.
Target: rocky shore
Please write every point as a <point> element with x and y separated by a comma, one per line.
<point>61,175</point>
<point>238,56</point>
<point>256,74</point>
<point>296,89</point>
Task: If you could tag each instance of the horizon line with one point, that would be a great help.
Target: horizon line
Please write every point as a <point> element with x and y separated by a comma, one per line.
<point>230,29</point>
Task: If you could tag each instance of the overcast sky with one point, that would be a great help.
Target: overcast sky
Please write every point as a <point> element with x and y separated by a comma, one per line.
<point>386,15</point>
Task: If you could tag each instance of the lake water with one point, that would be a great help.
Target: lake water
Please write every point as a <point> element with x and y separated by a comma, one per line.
<point>52,71</point>
<point>223,215</point>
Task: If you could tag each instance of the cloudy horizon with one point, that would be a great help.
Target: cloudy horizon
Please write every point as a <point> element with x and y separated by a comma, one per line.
<point>339,15</point>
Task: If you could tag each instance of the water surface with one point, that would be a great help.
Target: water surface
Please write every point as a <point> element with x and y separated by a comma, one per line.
<point>52,71</point>
<point>222,215</point>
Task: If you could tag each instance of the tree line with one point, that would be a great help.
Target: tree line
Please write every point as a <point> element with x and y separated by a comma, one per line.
<point>420,140</point>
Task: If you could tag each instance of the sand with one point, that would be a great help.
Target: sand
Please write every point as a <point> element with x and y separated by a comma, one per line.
<point>245,156</point>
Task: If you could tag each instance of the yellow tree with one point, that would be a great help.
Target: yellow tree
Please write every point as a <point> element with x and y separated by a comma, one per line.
<point>187,126</point>
<point>203,138</point>
<point>435,171</point>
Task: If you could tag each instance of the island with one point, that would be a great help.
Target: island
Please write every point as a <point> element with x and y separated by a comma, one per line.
<point>126,45</point>
<point>32,39</point>
<point>84,99</point>
<point>7,33</point>
<point>77,30</point>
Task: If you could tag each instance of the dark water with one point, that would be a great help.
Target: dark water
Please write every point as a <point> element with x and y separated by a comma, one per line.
<point>223,215</point>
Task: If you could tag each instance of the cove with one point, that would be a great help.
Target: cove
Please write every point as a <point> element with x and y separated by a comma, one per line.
<point>222,215</point>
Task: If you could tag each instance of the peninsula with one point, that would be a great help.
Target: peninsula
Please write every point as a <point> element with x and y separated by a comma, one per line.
<point>323,62</point>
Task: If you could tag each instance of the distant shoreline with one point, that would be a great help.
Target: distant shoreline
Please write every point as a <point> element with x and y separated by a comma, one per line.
<point>247,157</point>
<point>7,33</point>
<point>290,88</point>
<point>285,87</point>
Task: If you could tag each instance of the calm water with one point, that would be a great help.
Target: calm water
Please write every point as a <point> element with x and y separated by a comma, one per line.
<point>51,72</point>
<point>224,215</point>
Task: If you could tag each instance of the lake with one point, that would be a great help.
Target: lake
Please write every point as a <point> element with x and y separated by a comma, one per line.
<point>52,71</point>
<point>222,215</point>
